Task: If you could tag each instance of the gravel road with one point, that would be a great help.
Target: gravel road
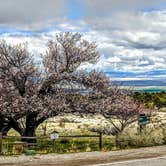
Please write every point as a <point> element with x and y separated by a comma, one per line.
<point>84,159</point>
<point>158,161</point>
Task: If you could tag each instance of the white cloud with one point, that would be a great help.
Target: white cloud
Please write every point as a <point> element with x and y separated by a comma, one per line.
<point>135,42</point>
<point>107,7</point>
<point>114,59</point>
<point>30,14</point>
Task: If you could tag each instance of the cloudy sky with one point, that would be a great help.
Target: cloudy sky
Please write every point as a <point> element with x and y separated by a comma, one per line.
<point>131,34</point>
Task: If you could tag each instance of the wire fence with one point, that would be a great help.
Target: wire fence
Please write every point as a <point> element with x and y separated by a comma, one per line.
<point>13,145</point>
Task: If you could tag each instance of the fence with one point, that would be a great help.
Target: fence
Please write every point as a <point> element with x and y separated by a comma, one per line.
<point>11,145</point>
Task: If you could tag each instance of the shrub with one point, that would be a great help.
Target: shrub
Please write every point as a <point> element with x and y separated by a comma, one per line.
<point>64,141</point>
<point>152,138</point>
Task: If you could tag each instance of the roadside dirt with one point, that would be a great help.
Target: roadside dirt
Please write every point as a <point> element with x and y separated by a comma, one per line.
<point>82,159</point>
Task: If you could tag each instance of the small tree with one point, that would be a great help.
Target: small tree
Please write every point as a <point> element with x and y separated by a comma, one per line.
<point>121,112</point>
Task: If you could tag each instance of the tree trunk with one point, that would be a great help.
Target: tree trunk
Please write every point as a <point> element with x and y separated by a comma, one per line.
<point>117,143</point>
<point>4,126</point>
<point>15,125</point>
<point>9,123</point>
<point>30,130</point>
<point>4,130</point>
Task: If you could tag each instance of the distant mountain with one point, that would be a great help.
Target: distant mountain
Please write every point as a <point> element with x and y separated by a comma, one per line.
<point>161,82</point>
<point>137,79</point>
<point>150,86</point>
<point>151,89</point>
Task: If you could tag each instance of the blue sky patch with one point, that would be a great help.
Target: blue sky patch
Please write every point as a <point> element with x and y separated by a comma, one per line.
<point>130,36</point>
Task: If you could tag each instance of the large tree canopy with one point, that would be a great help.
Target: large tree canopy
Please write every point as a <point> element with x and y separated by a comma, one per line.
<point>39,93</point>
<point>34,93</point>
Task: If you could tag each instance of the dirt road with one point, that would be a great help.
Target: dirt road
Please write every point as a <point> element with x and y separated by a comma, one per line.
<point>82,159</point>
<point>158,161</point>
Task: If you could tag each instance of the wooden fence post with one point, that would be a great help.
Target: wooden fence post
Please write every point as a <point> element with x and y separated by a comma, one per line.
<point>53,145</point>
<point>0,143</point>
<point>100,142</point>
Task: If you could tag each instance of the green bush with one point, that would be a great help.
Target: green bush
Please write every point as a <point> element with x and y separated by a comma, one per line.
<point>108,143</point>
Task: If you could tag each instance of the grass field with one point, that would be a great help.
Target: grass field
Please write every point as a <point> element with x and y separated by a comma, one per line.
<point>73,125</point>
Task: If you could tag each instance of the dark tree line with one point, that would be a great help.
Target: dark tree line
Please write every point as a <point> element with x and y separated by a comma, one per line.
<point>152,99</point>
